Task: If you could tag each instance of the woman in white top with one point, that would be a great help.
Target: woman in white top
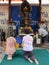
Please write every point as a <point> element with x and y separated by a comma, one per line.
<point>44,34</point>
<point>28,47</point>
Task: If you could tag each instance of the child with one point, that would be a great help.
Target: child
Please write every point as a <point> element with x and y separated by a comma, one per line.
<point>28,47</point>
<point>3,38</point>
<point>10,47</point>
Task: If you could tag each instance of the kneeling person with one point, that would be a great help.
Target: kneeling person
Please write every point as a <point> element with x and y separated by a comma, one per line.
<point>10,47</point>
<point>28,47</point>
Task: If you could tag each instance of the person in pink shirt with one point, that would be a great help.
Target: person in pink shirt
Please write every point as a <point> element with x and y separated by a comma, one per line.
<point>10,47</point>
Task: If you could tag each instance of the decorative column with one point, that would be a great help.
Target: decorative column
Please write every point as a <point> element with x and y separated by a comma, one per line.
<point>39,10</point>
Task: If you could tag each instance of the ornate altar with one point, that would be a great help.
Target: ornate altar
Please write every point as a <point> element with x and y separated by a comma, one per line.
<point>25,9</point>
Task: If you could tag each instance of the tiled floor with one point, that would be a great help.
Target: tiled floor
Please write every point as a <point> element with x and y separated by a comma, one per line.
<point>2,53</point>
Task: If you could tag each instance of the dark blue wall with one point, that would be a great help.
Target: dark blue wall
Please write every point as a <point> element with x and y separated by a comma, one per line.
<point>35,13</point>
<point>15,12</point>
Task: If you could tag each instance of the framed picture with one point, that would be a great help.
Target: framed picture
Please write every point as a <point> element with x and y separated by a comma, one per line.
<point>45,13</point>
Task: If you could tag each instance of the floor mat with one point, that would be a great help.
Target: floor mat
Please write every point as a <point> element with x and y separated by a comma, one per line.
<point>42,56</point>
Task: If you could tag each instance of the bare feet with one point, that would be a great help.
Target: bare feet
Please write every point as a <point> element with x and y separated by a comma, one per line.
<point>36,62</point>
<point>9,58</point>
<point>30,60</point>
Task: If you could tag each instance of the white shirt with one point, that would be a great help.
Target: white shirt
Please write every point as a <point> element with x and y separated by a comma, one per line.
<point>42,32</point>
<point>28,43</point>
<point>43,26</point>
